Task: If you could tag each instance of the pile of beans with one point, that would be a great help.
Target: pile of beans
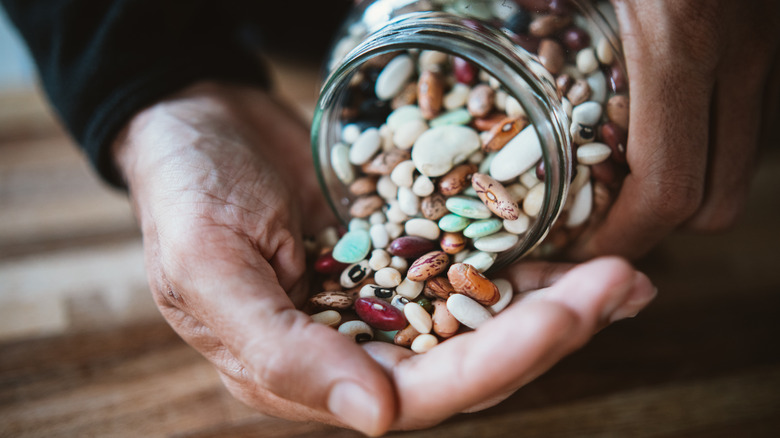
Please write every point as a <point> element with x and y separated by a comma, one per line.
<point>446,173</point>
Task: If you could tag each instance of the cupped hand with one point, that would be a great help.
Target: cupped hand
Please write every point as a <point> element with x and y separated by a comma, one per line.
<point>223,187</point>
<point>557,310</point>
<point>699,74</point>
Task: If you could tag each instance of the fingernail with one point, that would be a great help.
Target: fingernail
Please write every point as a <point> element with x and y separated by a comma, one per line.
<point>354,406</point>
<point>641,294</point>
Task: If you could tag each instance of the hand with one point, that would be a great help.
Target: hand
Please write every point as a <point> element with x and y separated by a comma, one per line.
<point>560,307</point>
<point>698,76</point>
<point>223,189</point>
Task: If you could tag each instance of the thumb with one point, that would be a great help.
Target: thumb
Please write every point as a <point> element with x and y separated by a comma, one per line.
<point>285,352</point>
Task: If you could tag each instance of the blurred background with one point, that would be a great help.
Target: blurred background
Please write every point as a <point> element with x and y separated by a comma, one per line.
<point>83,351</point>
<point>70,255</point>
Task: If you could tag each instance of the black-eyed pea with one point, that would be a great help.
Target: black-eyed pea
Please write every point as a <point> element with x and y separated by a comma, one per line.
<point>376,291</point>
<point>354,274</point>
<point>357,330</point>
<point>399,302</point>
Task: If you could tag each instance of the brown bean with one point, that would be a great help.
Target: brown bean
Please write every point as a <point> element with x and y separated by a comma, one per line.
<point>602,199</point>
<point>618,110</point>
<point>481,100</point>
<point>579,92</point>
<point>547,25</point>
<point>363,186</point>
<point>438,287</point>
<point>563,83</point>
<point>503,132</point>
<point>406,336</point>
<point>331,300</point>
<point>433,207</point>
<point>407,96</point>
<point>457,179</point>
<point>385,162</point>
<point>430,92</point>
<point>467,280</point>
<point>444,324</point>
<point>365,205</point>
<point>551,56</point>
<point>488,122</point>
<point>429,265</point>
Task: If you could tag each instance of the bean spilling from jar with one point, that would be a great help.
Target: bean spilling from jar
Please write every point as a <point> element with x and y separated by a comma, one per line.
<point>446,172</point>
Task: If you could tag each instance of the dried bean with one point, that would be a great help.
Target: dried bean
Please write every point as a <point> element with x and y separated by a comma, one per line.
<point>467,280</point>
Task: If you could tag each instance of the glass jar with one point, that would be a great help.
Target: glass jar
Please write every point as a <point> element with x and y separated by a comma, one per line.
<point>542,59</point>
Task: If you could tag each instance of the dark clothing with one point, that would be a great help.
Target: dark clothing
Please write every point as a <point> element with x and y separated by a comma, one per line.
<point>102,61</point>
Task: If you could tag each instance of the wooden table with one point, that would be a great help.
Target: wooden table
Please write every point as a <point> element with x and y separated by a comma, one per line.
<point>702,361</point>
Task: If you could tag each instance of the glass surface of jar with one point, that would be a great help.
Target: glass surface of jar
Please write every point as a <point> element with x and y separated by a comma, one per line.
<point>548,147</point>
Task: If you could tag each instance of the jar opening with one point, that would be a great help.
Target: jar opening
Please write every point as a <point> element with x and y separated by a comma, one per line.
<point>517,71</point>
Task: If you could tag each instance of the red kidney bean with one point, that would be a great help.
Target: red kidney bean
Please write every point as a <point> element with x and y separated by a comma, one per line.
<point>380,314</point>
<point>616,138</point>
<point>326,264</point>
<point>465,72</point>
<point>411,247</point>
<point>540,170</point>
<point>575,38</point>
<point>617,79</point>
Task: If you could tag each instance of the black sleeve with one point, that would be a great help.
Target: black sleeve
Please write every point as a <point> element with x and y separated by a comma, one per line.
<point>102,61</point>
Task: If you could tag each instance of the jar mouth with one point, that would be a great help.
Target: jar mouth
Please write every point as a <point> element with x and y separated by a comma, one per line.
<point>518,72</point>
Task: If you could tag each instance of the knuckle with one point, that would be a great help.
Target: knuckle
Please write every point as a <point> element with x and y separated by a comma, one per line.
<point>673,200</point>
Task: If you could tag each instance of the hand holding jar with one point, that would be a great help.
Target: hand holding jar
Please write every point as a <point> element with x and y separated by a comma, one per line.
<point>704,85</point>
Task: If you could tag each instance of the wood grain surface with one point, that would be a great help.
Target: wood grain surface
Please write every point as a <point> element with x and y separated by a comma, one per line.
<point>85,357</point>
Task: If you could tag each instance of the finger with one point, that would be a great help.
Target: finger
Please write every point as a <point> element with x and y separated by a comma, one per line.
<point>282,349</point>
<point>519,344</point>
<point>736,125</point>
<point>532,275</point>
<point>668,135</point>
